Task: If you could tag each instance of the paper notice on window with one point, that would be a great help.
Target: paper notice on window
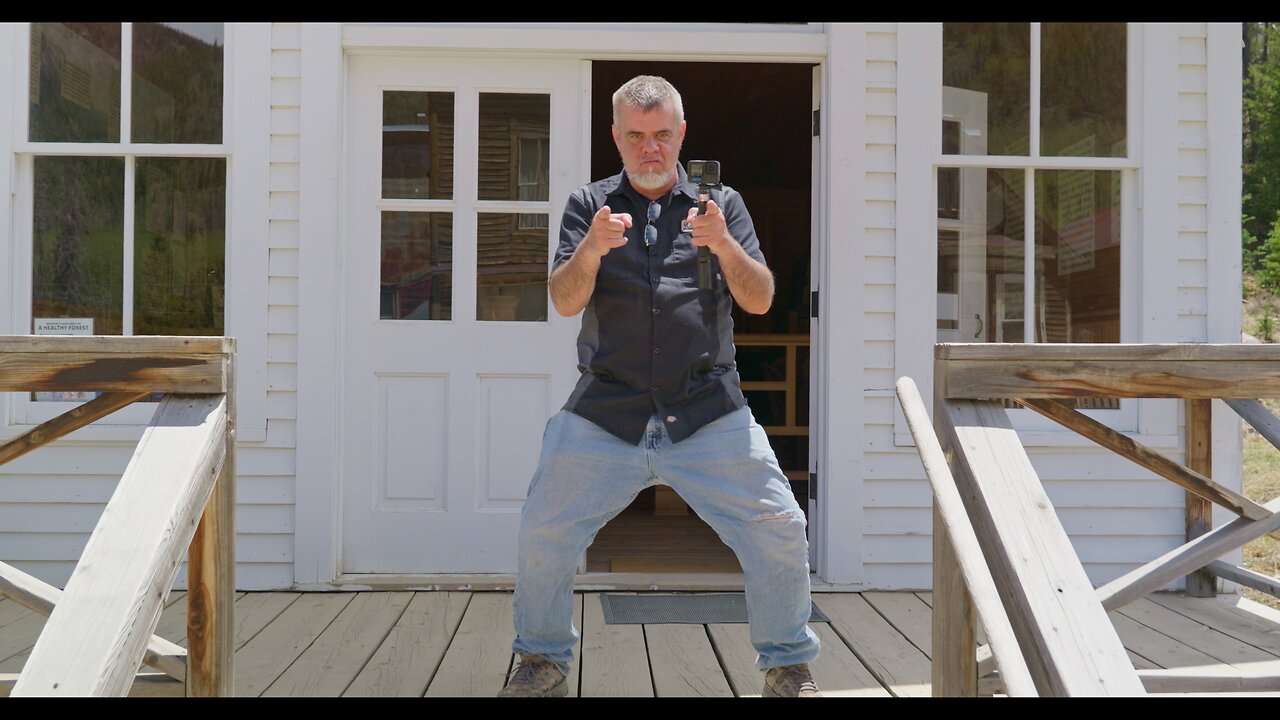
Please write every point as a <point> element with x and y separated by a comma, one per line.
<point>64,326</point>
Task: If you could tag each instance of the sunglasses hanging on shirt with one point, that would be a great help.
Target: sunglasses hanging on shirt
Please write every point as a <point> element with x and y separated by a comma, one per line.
<point>650,229</point>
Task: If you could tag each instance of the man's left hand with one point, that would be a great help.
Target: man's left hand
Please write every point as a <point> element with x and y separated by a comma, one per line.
<point>710,229</point>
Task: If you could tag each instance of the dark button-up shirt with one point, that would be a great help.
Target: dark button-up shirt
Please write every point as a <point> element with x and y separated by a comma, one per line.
<point>651,340</point>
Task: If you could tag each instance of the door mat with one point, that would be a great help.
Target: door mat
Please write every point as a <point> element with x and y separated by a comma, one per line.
<point>698,609</point>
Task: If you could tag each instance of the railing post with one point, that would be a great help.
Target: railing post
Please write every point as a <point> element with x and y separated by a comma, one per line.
<point>1199,511</point>
<point>955,662</point>
<point>211,577</point>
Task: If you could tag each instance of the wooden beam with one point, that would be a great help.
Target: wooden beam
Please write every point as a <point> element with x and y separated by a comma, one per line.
<point>1212,679</point>
<point>1131,353</point>
<point>1124,445</point>
<point>1246,577</point>
<point>1258,416</point>
<point>1203,679</point>
<point>35,594</point>
<point>112,372</point>
<point>954,670</point>
<point>66,423</point>
<point>117,344</point>
<point>95,637</point>
<point>1198,427</point>
<point>1010,370</point>
<point>1069,643</point>
<point>1179,561</point>
<point>961,580</point>
<point>211,565</point>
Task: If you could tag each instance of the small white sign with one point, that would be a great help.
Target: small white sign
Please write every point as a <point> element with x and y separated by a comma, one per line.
<point>64,326</point>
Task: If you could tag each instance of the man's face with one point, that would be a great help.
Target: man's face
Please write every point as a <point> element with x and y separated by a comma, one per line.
<point>649,143</point>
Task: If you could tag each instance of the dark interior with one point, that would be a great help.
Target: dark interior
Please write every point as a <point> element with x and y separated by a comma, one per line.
<point>756,119</point>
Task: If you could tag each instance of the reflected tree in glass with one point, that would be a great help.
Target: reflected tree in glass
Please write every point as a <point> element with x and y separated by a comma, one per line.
<point>78,241</point>
<point>179,246</point>
<point>177,82</point>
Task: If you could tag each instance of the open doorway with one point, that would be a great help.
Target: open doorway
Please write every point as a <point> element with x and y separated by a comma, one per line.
<point>756,119</point>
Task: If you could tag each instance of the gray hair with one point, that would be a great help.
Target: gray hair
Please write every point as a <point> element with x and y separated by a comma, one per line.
<point>647,92</point>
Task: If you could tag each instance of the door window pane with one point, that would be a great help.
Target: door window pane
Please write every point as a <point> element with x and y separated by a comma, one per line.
<point>514,132</point>
<point>178,249</point>
<point>417,145</point>
<point>78,241</point>
<point>74,86</point>
<point>986,71</point>
<point>1083,74</point>
<point>1077,256</point>
<point>417,266</point>
<point>512,267</point>
<point>177,82</point>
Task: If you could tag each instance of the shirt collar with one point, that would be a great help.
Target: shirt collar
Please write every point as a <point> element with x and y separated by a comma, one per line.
<point>620,184</point>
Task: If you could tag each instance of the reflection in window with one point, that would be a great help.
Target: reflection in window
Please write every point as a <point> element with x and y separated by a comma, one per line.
<point>511,267</point>
<point>179,241</point>
<point>1077,256</point>
<point>74,85</point>
<point>988,67</point>
<point>78,242</point>
<point>513,164</point>
<point>177,82</point>
<point>417,266</point>
<point>1083,73</point>
<point>417,145</point>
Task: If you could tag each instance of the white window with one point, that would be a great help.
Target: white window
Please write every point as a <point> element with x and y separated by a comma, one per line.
<point>121,184</point>
<point>1021,120</point>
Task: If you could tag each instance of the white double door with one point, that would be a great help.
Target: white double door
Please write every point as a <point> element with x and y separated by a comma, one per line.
<point>452,358</point>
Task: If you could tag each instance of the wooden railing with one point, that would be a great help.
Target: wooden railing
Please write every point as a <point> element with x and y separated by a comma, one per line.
<point>998,541</point>
<point>176,494</point>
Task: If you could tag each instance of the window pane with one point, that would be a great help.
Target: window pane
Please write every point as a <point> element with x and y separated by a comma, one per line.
<point>512,267</point>
<point>178,248</point>
<point>514,132</point>
<point>78,241</point>
<point>981,246</point>
<point>1082,89</point>
<point>74,87</point>
<point>1078,256</point>
<point>417,145</point>
<point>417,266</point>
<point>177,82</point>
<point>986,74</point>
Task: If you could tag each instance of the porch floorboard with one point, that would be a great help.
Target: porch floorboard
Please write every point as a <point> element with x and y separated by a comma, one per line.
<point>455,643</point>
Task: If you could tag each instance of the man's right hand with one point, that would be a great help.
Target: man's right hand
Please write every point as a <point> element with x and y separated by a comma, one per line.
<point>607,232</point>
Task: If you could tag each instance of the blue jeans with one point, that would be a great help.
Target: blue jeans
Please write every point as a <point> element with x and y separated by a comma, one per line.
<point>726,472</point>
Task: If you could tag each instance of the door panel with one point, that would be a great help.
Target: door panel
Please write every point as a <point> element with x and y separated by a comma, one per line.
<point>456,173</point>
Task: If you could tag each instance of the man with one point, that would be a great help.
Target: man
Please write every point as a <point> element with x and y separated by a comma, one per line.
<point>658,400</point>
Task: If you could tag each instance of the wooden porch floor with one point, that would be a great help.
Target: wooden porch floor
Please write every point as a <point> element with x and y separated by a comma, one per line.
<point>459,644</point>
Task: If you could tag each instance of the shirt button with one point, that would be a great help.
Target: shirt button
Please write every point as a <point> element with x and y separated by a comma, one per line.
<point>657,311</point>
<point>654,388</point>
<point>671,418</point>
<point>655,351</point>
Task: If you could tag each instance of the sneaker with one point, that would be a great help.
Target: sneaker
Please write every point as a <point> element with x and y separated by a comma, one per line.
<point>790,681</point>
<point>534,676</point>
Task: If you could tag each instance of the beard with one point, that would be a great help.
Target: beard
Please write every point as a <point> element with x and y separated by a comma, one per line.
<point>651,180</point>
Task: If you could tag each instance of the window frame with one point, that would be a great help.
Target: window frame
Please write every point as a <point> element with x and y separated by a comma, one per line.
<point>1151,65</point>
<point>246,107</point>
